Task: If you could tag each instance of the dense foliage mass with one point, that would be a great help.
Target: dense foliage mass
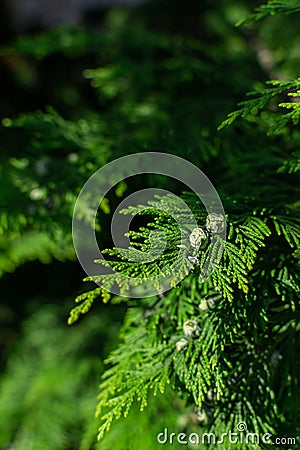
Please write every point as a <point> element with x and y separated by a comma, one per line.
<point>205,356</point>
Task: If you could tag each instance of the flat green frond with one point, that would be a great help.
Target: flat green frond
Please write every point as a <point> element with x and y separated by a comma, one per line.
<point>271,8</point>
<point>289,228</point>
<point>262,98</point>
<point>146,367</point>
